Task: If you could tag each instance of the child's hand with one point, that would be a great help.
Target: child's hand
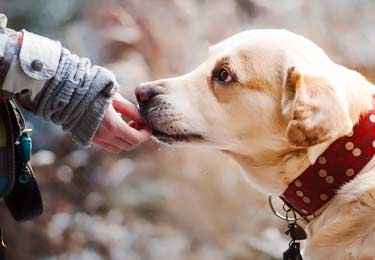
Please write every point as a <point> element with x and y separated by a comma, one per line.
<point>114,134</point>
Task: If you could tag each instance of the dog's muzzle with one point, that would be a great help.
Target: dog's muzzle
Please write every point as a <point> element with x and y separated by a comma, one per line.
<point>158,114</point>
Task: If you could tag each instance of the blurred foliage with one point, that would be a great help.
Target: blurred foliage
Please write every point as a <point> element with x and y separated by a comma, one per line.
<point>41,16</point>
<point>157,202</point>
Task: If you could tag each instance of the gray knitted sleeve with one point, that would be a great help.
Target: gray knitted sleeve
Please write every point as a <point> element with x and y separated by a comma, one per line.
<point>76,97</point>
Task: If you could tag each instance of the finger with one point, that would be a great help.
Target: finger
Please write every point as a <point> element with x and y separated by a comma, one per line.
<point>132,135</point>
<point>109,136</point>
<point>113,125</point>
<point>119,142</point>
<point>106,146</point>
<point>126,108</point>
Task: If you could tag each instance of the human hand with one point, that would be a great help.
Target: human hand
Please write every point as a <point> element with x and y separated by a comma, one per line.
<point>114,134</point>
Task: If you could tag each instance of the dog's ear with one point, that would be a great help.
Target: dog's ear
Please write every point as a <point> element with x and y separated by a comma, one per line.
<point>317,110</point>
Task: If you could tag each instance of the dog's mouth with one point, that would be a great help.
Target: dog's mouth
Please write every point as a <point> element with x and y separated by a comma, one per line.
<point>172,138</point>
<point>164,127</point>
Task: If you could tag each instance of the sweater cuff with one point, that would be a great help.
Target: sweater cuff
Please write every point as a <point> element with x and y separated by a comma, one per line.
<point>84,130</point>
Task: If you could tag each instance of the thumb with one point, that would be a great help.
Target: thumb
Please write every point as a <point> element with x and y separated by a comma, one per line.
<point>126,108</point>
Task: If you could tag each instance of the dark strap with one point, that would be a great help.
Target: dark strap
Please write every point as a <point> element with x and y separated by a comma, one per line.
<point>7,160</point>
<point>24,201</point>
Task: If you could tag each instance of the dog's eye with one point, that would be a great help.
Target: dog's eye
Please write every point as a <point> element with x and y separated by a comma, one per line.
<point>224,76</point>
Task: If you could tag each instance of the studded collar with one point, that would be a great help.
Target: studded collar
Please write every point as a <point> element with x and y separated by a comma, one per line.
<point>339,164</point>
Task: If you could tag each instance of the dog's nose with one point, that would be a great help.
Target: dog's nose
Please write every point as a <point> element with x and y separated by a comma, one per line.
<point>145,92</point>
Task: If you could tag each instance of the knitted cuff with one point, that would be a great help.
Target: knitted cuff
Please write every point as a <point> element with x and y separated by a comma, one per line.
<point>85,129</point>
<point>77,97</point>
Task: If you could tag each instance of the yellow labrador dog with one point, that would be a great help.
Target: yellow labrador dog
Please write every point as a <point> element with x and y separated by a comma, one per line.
<point>275,102</point>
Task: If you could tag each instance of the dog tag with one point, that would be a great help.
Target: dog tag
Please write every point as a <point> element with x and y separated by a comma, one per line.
<point>296,232</point>
<point>293,252</point>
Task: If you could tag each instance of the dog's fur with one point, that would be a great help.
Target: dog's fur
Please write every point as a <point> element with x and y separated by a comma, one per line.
<point>284,103</point>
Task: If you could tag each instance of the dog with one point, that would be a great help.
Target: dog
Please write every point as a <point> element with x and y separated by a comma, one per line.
<point>274,102</point>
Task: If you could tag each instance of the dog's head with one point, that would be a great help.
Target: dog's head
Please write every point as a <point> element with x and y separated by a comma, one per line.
<point>259,90</point>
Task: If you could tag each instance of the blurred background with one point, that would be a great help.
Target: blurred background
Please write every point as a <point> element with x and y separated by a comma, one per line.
<point>157,202</point>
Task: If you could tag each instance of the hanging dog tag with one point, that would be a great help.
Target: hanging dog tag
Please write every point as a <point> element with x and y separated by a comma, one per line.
<point>293,252</point>
<point>296,232</point>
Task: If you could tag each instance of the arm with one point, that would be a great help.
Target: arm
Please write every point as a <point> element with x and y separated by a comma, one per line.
<point>59,86</point>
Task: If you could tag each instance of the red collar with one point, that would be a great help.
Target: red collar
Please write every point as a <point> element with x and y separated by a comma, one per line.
<point>339,164</point>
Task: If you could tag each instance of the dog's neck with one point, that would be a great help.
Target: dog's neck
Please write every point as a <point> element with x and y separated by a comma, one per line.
<point>272,174</point>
